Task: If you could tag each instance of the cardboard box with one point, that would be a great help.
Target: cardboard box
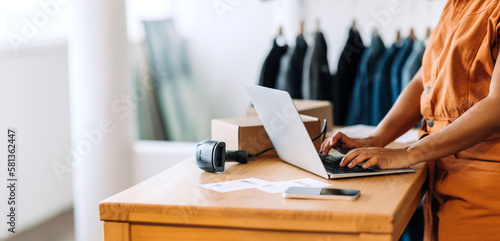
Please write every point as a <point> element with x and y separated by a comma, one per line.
<point>321,109</point>
<point>248,133</point>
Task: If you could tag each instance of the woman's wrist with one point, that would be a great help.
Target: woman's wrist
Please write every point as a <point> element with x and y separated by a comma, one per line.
<point>416,153</point>
<point>376,141</point>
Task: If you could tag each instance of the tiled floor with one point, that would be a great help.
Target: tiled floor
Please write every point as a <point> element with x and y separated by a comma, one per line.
<point>60,228</point>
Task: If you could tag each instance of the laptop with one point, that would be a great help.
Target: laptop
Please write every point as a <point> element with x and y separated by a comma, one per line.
<point>292,142</point>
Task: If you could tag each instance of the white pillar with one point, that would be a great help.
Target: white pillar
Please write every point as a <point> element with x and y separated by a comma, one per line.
<point>101,110</point>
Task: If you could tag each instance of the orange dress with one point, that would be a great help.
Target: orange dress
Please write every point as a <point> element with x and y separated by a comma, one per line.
<point>463,200</point>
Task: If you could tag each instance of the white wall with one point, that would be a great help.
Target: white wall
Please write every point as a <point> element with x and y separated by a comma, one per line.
<point>153,157</point>
<point>228,43</point>
<point>34,100</point>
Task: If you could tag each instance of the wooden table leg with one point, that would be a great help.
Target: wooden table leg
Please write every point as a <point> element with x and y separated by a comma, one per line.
<point>116,231</point>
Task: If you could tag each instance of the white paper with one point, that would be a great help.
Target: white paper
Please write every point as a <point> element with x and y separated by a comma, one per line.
<point>277,187</point>
<point>234,185</point>
<point>362,131</point>
<point>269,187</point>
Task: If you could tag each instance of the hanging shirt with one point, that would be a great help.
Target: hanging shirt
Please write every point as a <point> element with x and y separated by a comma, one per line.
<point>463,201</point>
<point>412,64</point>
<point>282,79</point>
<point>271,66</point>
<point>319,71</point>
<point>381,92</point>
<point>359,107</point>
<point>293,83</point>
<point>346,72</point>
<point>397,66</point>
<point>306,83</point>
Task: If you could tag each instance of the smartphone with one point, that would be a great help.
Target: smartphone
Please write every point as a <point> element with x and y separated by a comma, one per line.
<point>321,193</point>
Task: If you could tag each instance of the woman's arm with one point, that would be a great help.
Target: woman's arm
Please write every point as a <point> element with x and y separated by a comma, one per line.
<point>478,123</point>
<point>473,127</point>
<point>404,115</point>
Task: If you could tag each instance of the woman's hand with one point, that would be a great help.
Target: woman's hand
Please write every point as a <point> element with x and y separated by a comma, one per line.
<point>344,144</point>
<point>376,156</point>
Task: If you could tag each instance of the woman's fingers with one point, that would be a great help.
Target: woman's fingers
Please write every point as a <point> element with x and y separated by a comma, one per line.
<point>357,156</point>
<point>374,156</point>
<point>342,143</point>
<point>374,161</point>
<point>351,157</point>
<point>331,142</point>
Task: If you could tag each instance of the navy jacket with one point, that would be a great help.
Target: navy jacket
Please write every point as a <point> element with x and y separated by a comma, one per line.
<point>381,92</point>
<point>343,81</point>
<point>397,67</point>
<point>319,71</point>
<point>293,83</point>
<point>360,107</point>
<point>271,65</point>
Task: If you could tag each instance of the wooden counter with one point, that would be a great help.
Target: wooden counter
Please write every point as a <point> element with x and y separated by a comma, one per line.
<point>172,206</point>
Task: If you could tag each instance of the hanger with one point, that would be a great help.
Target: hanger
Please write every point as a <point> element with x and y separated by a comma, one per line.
<point>412,34</point>
<point>398,36</point>
<point>280,39</point>
<point>428,33</point>
<point>301,27</point>
<point>318,29</point>
<point>353,25</point>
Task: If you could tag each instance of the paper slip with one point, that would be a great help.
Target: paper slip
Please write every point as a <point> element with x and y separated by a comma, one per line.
<point>277,187</point>
<point>362,131</point>
<point>234,185</point>
<point>269,187</point>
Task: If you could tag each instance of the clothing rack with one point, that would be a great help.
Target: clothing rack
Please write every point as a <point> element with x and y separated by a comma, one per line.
<point>359,91</point>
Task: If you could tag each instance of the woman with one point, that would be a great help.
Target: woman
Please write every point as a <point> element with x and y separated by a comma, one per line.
<point>457,92</point>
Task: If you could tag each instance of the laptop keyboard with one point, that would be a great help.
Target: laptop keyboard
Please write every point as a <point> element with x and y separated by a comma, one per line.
<point>331,164</point>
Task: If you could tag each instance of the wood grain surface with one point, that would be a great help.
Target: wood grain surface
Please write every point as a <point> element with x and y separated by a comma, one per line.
<point>174,198</point>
